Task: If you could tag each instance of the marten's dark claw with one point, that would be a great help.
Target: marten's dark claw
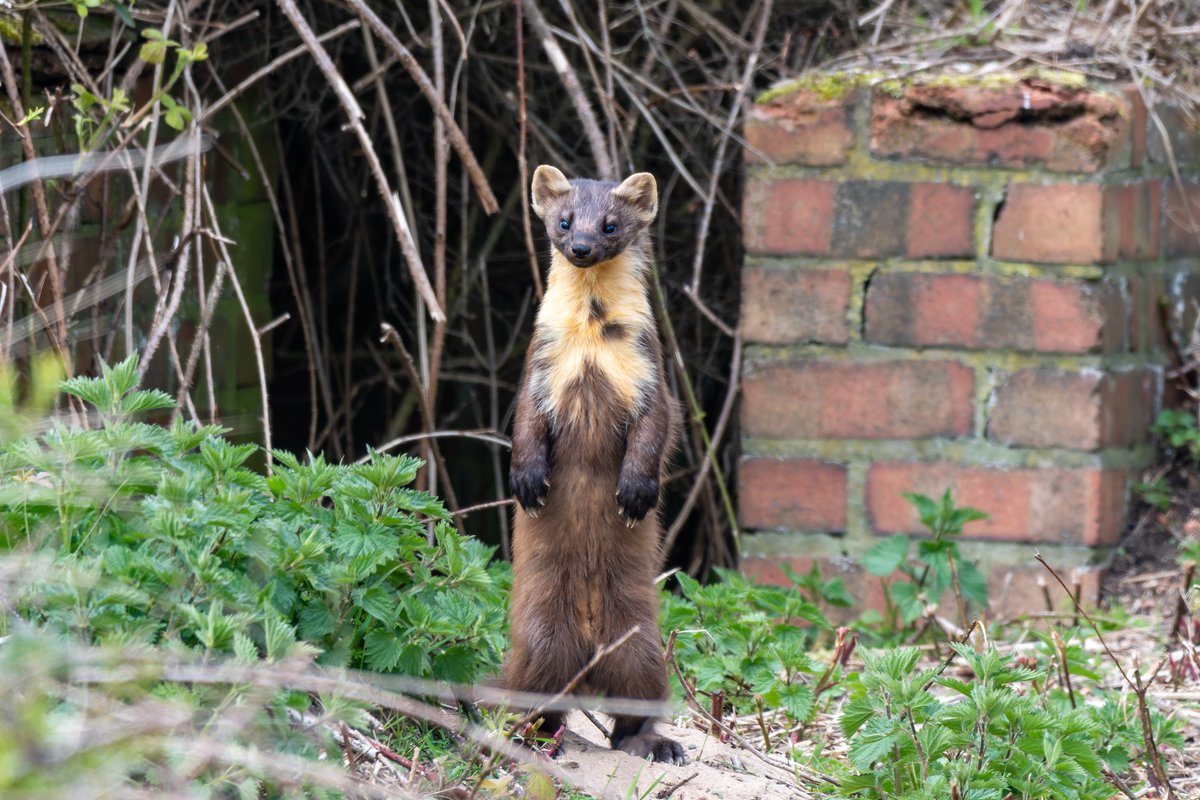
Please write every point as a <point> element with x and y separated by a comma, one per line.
<point>529,483</point>
<point>636,495</point>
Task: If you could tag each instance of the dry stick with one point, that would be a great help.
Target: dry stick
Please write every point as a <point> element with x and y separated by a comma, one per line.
<point>411,65</point>
<point>697,413</point>
<point>11,288</point>
<point>489,337</point>
<point>462,512</point>
<point>792,770</point>
<point>255,340</point>
<point>208,304</point>
<point>354,115</point>
<point>586,52</point>
<point>522,162</point>
<point>482,434</point>
<point>1181,606</point>
<point>441,158</point>
<point>166,317</point>
<point>39,201</point>
<point>1139,691</point>
<point>390,334</point>
<point>718,433</point>
<point>1066,672</point>
<point>570,82</point>
<point>719,159</point>
<point>606,97</point>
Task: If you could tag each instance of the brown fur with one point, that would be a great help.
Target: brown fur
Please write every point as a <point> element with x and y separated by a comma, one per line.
<point>594,424</point>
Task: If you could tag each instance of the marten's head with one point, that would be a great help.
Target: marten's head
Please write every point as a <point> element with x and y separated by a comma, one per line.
<point>590,222</point>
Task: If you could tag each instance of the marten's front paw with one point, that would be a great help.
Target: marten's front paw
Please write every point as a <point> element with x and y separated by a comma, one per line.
<point>529,483</point>
<point>636,495</point>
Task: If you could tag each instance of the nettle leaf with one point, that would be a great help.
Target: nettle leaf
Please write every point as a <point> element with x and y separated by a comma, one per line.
<point>972,582</point>
<point>146,400</point>
<point>378,603</point>
<point>797,700</point>
<point>413,660</point>
<point>927,509</point>
<point>279,635</point>
<point>874,742</point>
<point>885,557</point>
<point>382,650</point>
<point>316,620</point>
<point>456,664</point>
<point>907,597</point>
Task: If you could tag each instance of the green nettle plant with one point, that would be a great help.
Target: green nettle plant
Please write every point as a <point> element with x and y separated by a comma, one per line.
<point>1178,429</point>
<point>162,536</point>
<point>997,735</point>
<point>742,640</point>
<point>936,568</point>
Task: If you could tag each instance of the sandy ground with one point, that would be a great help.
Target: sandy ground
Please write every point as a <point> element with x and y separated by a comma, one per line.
<point>715,771</point>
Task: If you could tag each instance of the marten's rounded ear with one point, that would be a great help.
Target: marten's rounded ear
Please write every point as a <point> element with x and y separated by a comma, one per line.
<point>641,192</point>
<point>548,186</point>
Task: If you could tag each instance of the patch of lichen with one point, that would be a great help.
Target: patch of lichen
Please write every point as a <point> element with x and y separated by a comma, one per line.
<point>825,85</point>
<point>835,85</point>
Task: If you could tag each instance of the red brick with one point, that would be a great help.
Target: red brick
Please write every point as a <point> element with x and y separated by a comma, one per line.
<point>1076,317</point>
<point>1181,233</point>
<point>795,305</point>
<point>1138,125</point>
<point>800,128</point>
<point>789,217</point>
<point>1056,223</point>
<point>792,494</point>
<point>1128,405</point>
<point>941,221</point>
<point>1071,506</point>
<point>1047,407</point>
<point>871,219</point>
<point>986,312</point>
<point>912,309</point>
<point>1026,125</point>
<point>1147,331</point>
<point>1133,221</point>
<point>865,400</point>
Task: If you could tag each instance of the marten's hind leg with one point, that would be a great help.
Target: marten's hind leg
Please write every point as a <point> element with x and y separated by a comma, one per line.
<point>548,649</point>
<point>637,671</point>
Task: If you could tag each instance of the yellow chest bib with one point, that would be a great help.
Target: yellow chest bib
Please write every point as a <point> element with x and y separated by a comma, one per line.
<point>592,320</point>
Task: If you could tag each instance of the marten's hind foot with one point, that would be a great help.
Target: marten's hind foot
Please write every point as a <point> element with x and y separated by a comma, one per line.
<point>637,737</point>
<point>653,747</point>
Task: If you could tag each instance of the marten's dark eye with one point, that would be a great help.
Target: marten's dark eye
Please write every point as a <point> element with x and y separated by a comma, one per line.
<point>566,226</point>
<point>610,229</point>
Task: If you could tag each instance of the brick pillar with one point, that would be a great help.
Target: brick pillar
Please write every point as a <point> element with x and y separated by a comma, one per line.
<point>959,287</point>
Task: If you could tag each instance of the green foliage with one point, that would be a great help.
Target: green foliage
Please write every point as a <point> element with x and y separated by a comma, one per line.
<point>1177,427</point>
<point>993,734</point>
<point>742,639</point>
<point>163,536</point>
<point>935,568</point>
<point>1156,493</point>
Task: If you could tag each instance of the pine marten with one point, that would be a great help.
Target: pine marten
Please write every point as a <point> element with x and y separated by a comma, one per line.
<point>593,428</point>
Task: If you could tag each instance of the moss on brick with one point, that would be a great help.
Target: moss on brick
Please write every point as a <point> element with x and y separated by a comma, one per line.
<point>835,85</point>
<point>825,85</point>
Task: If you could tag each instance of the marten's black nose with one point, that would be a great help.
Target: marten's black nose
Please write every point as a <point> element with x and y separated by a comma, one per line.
<point>580,250</point>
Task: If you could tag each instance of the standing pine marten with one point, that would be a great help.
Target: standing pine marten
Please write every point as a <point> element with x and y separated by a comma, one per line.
<point>593,428</point>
